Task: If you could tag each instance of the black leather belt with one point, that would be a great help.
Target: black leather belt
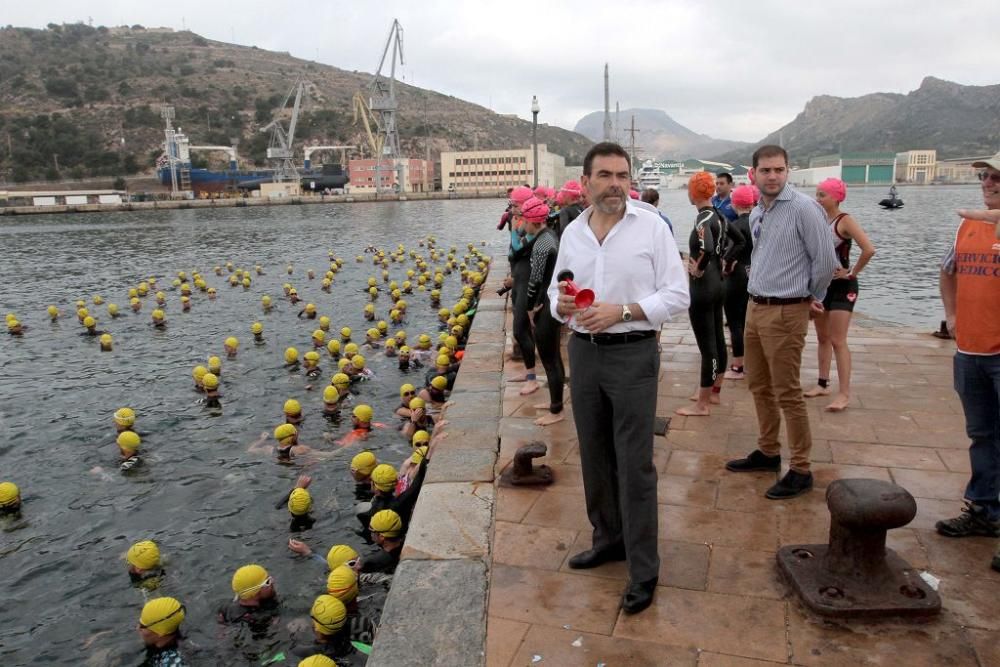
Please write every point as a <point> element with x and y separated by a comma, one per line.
<point>775,301</point>
<point>615,338</point>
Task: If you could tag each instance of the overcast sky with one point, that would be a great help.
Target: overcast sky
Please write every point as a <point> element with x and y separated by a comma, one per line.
<point>733,70</point>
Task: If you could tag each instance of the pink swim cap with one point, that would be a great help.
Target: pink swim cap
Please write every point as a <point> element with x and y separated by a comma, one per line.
<point>633,194</point>
<point>744,196</point>
<point>520,194</point>
<point>550,193</point>
<point>561,198</point>
<point>541,191</point>
<point>834,187</point>
<point>534,210</point>
<point>572,187</point>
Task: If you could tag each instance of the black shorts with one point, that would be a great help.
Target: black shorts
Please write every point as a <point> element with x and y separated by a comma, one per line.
<point>841,295</point>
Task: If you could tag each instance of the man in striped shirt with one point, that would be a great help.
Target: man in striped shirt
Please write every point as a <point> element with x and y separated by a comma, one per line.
<point>793,263</point>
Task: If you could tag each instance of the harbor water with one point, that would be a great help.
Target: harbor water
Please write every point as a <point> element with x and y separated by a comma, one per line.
<point>208,502</point>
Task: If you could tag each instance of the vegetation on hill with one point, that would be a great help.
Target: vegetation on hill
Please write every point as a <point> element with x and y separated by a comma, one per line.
<point>79,101</point>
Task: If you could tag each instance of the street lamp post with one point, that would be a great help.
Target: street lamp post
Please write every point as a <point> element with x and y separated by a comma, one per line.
<point>534,135</point>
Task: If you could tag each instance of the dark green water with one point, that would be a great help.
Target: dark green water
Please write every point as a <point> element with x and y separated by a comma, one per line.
<point>201,496</point>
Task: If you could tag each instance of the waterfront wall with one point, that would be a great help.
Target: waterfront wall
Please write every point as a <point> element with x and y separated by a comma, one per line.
<point>170,204</point>
<point>436,609</point>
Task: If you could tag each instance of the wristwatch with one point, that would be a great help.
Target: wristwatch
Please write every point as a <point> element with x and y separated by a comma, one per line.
<point>626,313</point>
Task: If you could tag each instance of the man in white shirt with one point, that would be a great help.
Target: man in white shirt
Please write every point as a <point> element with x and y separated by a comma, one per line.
<point>623,252</point>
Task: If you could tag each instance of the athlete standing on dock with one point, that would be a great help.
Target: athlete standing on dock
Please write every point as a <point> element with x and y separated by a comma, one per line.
<point>628,257</point>
<point>970,291</point>
<point>793,263</point>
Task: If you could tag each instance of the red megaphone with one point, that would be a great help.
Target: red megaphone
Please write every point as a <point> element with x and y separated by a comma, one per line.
<point>583,298</point>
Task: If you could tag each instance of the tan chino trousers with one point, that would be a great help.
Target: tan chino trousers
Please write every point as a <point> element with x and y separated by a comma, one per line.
<point>774,338</point>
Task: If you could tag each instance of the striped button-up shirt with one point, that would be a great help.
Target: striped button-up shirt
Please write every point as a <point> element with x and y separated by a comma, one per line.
<point>793,248</point>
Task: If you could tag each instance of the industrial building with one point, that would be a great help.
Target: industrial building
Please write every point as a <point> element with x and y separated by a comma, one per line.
<point>465,171</point>
<point>917,166</point>
<point>863,168</point>
<point>958,170</point>
<point>415,175</point>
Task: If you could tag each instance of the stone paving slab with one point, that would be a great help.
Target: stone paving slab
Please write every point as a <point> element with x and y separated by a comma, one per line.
<point>721,601</point>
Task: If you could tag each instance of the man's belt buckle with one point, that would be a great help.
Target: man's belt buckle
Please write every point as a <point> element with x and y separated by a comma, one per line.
<point>592,341</point>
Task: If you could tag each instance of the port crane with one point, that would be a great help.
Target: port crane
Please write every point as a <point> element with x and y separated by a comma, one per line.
<point>378,111</point>
<point>279,149</point>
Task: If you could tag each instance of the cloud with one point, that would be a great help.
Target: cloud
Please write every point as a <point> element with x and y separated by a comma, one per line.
<point>729,69</point>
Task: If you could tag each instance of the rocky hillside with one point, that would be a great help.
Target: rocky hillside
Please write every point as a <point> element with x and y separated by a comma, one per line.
<point>80,101</point>
<point>955,120</point>
<point>660,136</point>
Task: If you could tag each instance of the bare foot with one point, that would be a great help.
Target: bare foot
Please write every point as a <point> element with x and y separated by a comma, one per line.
<point>714,399</point>
<point>816,391</point>
<point>839,403</point>
<point>697,410</point>
<point>546,420</point>
<point>530,387</point>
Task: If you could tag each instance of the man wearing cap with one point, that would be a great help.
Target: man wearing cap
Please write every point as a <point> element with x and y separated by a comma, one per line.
<point>627,256</point>
<point>970,291</point>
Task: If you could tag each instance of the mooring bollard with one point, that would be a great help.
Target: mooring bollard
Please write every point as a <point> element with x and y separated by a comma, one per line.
<point>855,575</point>
<point>522,473</point>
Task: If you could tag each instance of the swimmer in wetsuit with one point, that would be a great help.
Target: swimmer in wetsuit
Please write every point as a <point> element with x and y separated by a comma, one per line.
<point>832,324</point>
<point>707,244</point>
<point>159,628</point>
<point>737,275</point>
<point>255,602</point>
<point>144,568</point>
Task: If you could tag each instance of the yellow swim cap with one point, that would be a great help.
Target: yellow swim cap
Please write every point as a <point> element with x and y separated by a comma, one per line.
<point>162,616</point>
<point>384,477</point>
<point>340,554</point>
<point>364,413</point>
<point>284,432</point>
<point>364,463</point>
<point>387,523</point>
<point>404,349</point>
<point>291,355</point>
<point>310,307</point>
<point>129,441</point>
<point>133,301</point>
<point>299,502</point>
<point>443,360</point>
<point>400,336</point>
<point>372,282</point>
<point>89,321</point>
<point>330,394</point>
<point>319,335</point>
<point>369,308</point>
<point>53,312</point>
<point>292,407</point>
<point>343,363</point>
<point>125,416</point>
<point>417,403</point>
<point>161,296</point>
<point>256,328</point>
<point>345,332</point>
<point>210,381</point>
<point>327,282</point>
<point>248,580</point>
<point>390,343</point>
<point>157,314</point>
<point>214,364</point>
<point>232,341</point>
<point>144,555</point>
<point>112,309</point>
<point>342,583</point>
<point>328,615</point>
<point>317,660</point>
<point>393,314</point>
<point>106,340</point>
<point>311,355</point>
<point>420,437</point>
<point>444,312</point>
<point>419,454</point>
<point>351,349</point>
<point>266,300</point>
<point>451,342</point>
<point>9,494</point>
<point>439,382</point>
<point>373,333</point>
<point>358,361</point>
<point>324,323</point>
<point>333,347</point>
<point>340,380</point>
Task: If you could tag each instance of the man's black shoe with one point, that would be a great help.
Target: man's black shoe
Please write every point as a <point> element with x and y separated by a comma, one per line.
<point>791,485</point>
<point>594,557</point>
<point>638,596</point>
<point>757,460</point>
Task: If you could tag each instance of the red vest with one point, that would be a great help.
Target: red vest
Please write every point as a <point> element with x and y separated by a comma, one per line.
<point>977,267</point>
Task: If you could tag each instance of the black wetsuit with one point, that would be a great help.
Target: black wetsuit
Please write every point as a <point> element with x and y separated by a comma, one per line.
<point>520,271</point>
<point>545,248</point>
<point>736,285</point>
<point>567,214</point>
<point>705,246</point>
<point>381,561</point>
<point>401,504</point>
<point>257,619</point>
<point>842,292</point>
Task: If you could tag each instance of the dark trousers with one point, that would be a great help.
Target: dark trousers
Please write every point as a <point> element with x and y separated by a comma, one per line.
<point>547,338</point>
<point>614,406</point>
<point>521,273</point>
<point>736,306</point>
<point>977,381</point>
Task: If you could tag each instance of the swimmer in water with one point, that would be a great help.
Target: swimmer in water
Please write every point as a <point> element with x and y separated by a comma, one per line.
<point>231,346</point>
<point>390,347</point>
<point>345,335</point>
<point>143,563</point>
<point>318,339</point>
<point>418,420</point>
<point>299,504</point>
<point>128,447</point>
<point>369,312</point>
<point>159,319</point>
<point>135,304</point>
<point>293,297</point>
<point>372,338</point>
<point>333,348</point>
<point>210,381</point>
<point>159,628</point>
<point>308,312</point>
<point>185,303</point>
<point>211,293</point>
<point>107,343</point>
<point>257,329</point>
<point>324,324</point>
<point>404,358</point>
<point>199,375</point>
<point>90,324</point>
<point>124,419</point>
<point>435,392</point>
<point>310,363</point>
<point>291,359</point>
<point>293,412</point>
<point>265,303</point>
<point>255,600</point>
<point>10,499</point>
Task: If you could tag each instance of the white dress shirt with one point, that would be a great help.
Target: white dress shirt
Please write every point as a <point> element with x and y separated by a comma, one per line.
<point>637,263</point>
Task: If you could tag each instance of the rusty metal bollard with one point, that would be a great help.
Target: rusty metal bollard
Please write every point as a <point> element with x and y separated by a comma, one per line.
<point>855,575</point>
<point>522,473</point>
